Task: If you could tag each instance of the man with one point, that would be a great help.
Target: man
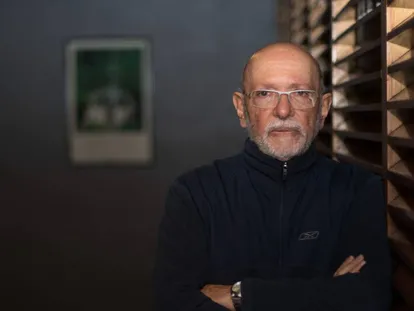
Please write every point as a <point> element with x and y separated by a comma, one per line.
<point>277,227</point>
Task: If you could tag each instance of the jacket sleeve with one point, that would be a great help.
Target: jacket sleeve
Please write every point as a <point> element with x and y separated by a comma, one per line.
<point>363,232</point>
<point>182,256</point>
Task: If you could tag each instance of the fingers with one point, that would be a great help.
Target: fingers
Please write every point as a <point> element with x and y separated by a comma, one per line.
<point>351,265</point>
<point>358,266</point>
<point>343,268</point>
<point>355,265</point>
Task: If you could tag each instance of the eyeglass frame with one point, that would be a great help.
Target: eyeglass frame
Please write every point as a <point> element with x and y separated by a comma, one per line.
<point>280,93</point>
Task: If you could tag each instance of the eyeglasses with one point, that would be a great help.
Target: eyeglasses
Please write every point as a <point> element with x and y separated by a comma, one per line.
<point>299,99</point>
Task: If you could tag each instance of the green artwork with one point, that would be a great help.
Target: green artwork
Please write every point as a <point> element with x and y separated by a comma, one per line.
<point>109,90</point>
<point>109,86</point>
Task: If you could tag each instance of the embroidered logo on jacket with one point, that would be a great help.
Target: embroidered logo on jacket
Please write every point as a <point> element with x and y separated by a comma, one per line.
<point>311,235</point>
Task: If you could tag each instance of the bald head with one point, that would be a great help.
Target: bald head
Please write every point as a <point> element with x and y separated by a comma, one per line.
<point>282,51</point>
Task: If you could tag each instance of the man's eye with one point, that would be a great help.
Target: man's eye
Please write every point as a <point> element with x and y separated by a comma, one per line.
<point>302,93</point>
<point>262,94</point>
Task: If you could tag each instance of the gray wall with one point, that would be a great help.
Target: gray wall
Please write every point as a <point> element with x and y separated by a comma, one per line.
<point>84,239</point>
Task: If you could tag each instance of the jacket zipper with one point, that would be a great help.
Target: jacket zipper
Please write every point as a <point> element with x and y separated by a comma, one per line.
<point>284,175</point>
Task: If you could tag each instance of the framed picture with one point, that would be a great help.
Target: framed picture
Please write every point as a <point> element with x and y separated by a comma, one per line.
<point>109,101</point>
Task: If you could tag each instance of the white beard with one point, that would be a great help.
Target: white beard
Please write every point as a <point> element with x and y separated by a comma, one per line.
<point>295,148</point>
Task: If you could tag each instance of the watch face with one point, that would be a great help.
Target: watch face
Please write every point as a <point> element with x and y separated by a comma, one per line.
<point>236,288</point>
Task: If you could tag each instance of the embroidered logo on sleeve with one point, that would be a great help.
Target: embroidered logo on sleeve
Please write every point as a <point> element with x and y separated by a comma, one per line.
<point>311,235</point>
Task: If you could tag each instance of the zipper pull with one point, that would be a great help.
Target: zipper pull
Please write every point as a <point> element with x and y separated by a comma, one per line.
<point>285,166</point>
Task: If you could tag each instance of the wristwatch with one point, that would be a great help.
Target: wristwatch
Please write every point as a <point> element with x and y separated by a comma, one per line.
<point>236,295</point>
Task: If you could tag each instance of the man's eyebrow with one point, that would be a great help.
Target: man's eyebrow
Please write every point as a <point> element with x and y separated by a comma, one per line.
<point>293,86</point>
<point>300,86</point>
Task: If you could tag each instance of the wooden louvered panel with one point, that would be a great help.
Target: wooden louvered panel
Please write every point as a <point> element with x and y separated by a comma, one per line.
<point>372,120</point>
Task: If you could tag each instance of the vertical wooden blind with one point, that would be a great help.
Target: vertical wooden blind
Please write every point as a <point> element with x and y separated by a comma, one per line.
<point>366,51</point>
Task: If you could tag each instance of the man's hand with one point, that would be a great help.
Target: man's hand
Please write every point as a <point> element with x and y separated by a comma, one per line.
<point>220,294</point>
<point>351,265</point>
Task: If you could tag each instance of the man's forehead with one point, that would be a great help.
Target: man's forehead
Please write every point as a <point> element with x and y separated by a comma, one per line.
<point>275,71</point>
<point>293,62</point>
<point>285,85</point>
<point>276,50</point>
<point>298,68</point>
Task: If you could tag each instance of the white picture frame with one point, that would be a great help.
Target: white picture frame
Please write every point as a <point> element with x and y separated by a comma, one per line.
<point>109,88</point>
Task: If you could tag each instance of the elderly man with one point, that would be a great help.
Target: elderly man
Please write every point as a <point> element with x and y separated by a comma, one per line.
<point>276,227</point>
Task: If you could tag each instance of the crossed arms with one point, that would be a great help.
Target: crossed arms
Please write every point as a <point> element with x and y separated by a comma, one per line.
<point>183,256</point>
<point>220,294</point>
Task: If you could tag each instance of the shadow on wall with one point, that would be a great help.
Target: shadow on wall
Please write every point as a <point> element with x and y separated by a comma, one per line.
<point>84,239</point>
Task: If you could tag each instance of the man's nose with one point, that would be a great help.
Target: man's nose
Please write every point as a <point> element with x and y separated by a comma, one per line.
<point>283,109</point>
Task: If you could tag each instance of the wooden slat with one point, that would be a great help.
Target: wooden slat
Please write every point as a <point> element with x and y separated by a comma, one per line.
<point>298,9</point>
<point>340,29</point>
<point>359,80</point>
<point>402,204</point>
<point>401,47</point>
<point>360,135</point>
<point>400,243</point>
<point>403,142</point>
<point>405,131</point>
<point>399,13</point>
<point>399,179</point>
<point>403,27</point>
<point>401,208</point>
<point>300,37</point>
<point>404,65</point>
<point>400,58</point>
<point>317,33</point>
<point>360,108</point>
<point>344,149</point>
<point>393,156</point>
<point>316,38</point>
<point>297,25</point>
<point>341,51</point>
<point>351,159</point>
<point>352,26</point>
<point>400,87</point>
<point>401,104</point>
<point>403,214</point>
<point>397,126</point>
<point>316,19</point>
<point>402,168</point>
<point>400,160</point>
<point>360,51</point>
<point>357,125</point>
<point>317,13</point>
<point>340,7</point>
<point>394,121</point>
<point>403,281</point>
<point>319,50</point>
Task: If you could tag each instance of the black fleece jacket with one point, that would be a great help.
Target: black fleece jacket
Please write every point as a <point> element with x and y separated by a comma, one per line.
<point>282,228</point>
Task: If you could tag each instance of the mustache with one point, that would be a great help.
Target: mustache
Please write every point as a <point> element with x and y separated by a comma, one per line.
<point>284,125</point>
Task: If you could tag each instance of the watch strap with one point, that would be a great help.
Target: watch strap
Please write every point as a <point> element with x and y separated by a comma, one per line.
<point>236,296</point>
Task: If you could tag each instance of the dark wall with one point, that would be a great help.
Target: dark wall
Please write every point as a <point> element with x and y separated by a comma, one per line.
<point>84,238</point>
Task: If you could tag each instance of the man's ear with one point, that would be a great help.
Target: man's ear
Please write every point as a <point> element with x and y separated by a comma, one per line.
<point>326,104</point>
<point>238,100</point>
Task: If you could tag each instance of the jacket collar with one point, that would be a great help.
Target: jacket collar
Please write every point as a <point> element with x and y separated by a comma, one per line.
<point>274,167</point>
